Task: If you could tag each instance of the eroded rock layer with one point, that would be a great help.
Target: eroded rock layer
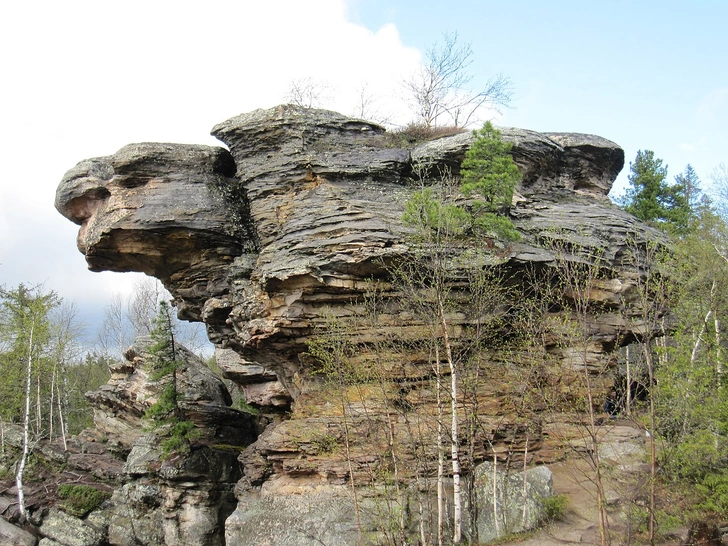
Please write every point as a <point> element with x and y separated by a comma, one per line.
<point>287,233</point>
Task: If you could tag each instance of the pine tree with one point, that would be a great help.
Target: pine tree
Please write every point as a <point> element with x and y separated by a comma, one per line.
<point>165,414</point>
<point>652,199</point>
<point>490,175</point>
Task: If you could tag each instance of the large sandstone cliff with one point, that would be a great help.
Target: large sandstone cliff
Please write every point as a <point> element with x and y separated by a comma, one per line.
<point>267,242</point>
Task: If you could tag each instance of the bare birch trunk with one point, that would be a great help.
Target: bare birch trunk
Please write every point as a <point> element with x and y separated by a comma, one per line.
<point>440,454</point>
<point>495,494</point>
<point>628,399</point>
<point>26,428</point>
<point>718,353</point>
<point>38,413</point>
<point>525,484</point>
<point>60,418</point>
<point>454,440</point>
<point>50,406</point>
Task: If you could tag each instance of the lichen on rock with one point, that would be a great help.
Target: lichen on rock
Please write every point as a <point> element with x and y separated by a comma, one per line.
<point>292,226</point>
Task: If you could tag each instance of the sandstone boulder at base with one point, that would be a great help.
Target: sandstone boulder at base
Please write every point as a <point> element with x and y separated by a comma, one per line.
<point>516,505</point>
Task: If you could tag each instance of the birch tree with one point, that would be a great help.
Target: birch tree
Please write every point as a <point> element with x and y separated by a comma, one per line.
<point>441,89</point>
<point>25,331</point>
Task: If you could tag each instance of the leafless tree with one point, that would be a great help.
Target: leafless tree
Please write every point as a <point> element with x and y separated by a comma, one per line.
<point>440,89</point>
<point>128,317</point>
<point>719,178</point>
<point>308,93</point>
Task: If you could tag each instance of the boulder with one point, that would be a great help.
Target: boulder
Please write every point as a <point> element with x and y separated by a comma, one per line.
<point>68,530</point>
<point>516,505</point>
<point>10,535</point>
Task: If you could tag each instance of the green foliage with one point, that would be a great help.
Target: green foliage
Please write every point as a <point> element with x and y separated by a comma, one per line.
<point>652,199</point>
<point>165,414</point>
<point>165,406</point>
<point>79,500</point>
<point>179,435</point>
<point>163,352</point>
<point>489,222</point>
<point>555,507</point>
<point>24,310</point>
<point>80,378</point>
<point>427,212</point>
<point>247,408</point>
<point>714,491</point>
<point>325,443</point>
<point>488,171</point>
<point>489,178</point>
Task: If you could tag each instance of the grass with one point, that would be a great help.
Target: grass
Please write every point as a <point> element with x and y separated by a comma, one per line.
<point>79,500</point>
<point>415,133</point>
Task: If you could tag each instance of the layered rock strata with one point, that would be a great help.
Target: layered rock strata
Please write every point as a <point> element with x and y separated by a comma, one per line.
<point>182,499</point>
<point>285,234</point>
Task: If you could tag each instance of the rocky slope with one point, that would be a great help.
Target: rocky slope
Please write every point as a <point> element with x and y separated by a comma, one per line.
<point>284,235</point>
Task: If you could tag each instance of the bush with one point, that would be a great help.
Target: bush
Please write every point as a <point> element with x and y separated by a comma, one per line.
<point>554,507</point>
<point>415,133</point>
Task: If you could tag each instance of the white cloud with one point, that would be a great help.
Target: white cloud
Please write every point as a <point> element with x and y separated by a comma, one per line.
<point>713,103</point>
<point>693,146</point>
<point>88,77</point>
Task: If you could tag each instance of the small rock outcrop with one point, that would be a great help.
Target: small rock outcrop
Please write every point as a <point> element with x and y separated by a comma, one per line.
<point>152,498</point>
<point>266,241</point>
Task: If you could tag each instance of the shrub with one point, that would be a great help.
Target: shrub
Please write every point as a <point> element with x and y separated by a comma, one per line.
<point>415,133</point>
<point>554,507</point>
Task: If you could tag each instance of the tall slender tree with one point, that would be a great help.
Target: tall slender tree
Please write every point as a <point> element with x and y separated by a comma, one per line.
<point>25,330</point>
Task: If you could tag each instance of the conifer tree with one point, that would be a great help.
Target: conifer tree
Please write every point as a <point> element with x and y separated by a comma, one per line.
<point>165,414</point>
<point>652,199</point>
<point>490,175</point>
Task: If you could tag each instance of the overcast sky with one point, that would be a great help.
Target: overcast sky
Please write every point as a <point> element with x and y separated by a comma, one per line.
<point>81,79</point>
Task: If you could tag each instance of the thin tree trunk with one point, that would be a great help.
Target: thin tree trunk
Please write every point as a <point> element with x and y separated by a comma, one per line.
<point>696,347</point>
<point>440,453</point>
<point>26,427</point>
<point>50,406</point>
<point>525,484</point>
<point>495,493</point>
<point>651,432</point>
<point>718,352</point>
<point>454,443</point>
<point>60,418</point>
<point>601,509</point>
<point>351,465</point>
<point>628,394</point>
<point>38,413</point>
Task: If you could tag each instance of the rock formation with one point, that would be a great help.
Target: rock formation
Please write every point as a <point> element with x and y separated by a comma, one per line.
<point>285,234</point>
<point>182,499</point>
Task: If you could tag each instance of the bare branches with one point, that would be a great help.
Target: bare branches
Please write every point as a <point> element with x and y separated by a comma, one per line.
<point>307,93</point>
<point>440,88</point>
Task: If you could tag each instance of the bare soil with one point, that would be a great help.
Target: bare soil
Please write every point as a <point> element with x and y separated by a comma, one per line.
<point>624,455</point>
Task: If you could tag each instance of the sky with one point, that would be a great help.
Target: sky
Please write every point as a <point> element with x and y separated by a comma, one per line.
<point>81,79</point>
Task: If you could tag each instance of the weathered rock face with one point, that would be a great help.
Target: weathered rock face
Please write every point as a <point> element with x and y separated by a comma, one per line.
<point>268,242</point>
<point>182,499</point>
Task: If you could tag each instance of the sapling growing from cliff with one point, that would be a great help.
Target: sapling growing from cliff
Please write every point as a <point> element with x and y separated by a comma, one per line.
<point>488,179</point>
<point>166,414</point>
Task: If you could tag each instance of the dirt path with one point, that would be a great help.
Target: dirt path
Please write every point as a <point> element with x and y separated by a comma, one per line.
<point>623,453</point>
